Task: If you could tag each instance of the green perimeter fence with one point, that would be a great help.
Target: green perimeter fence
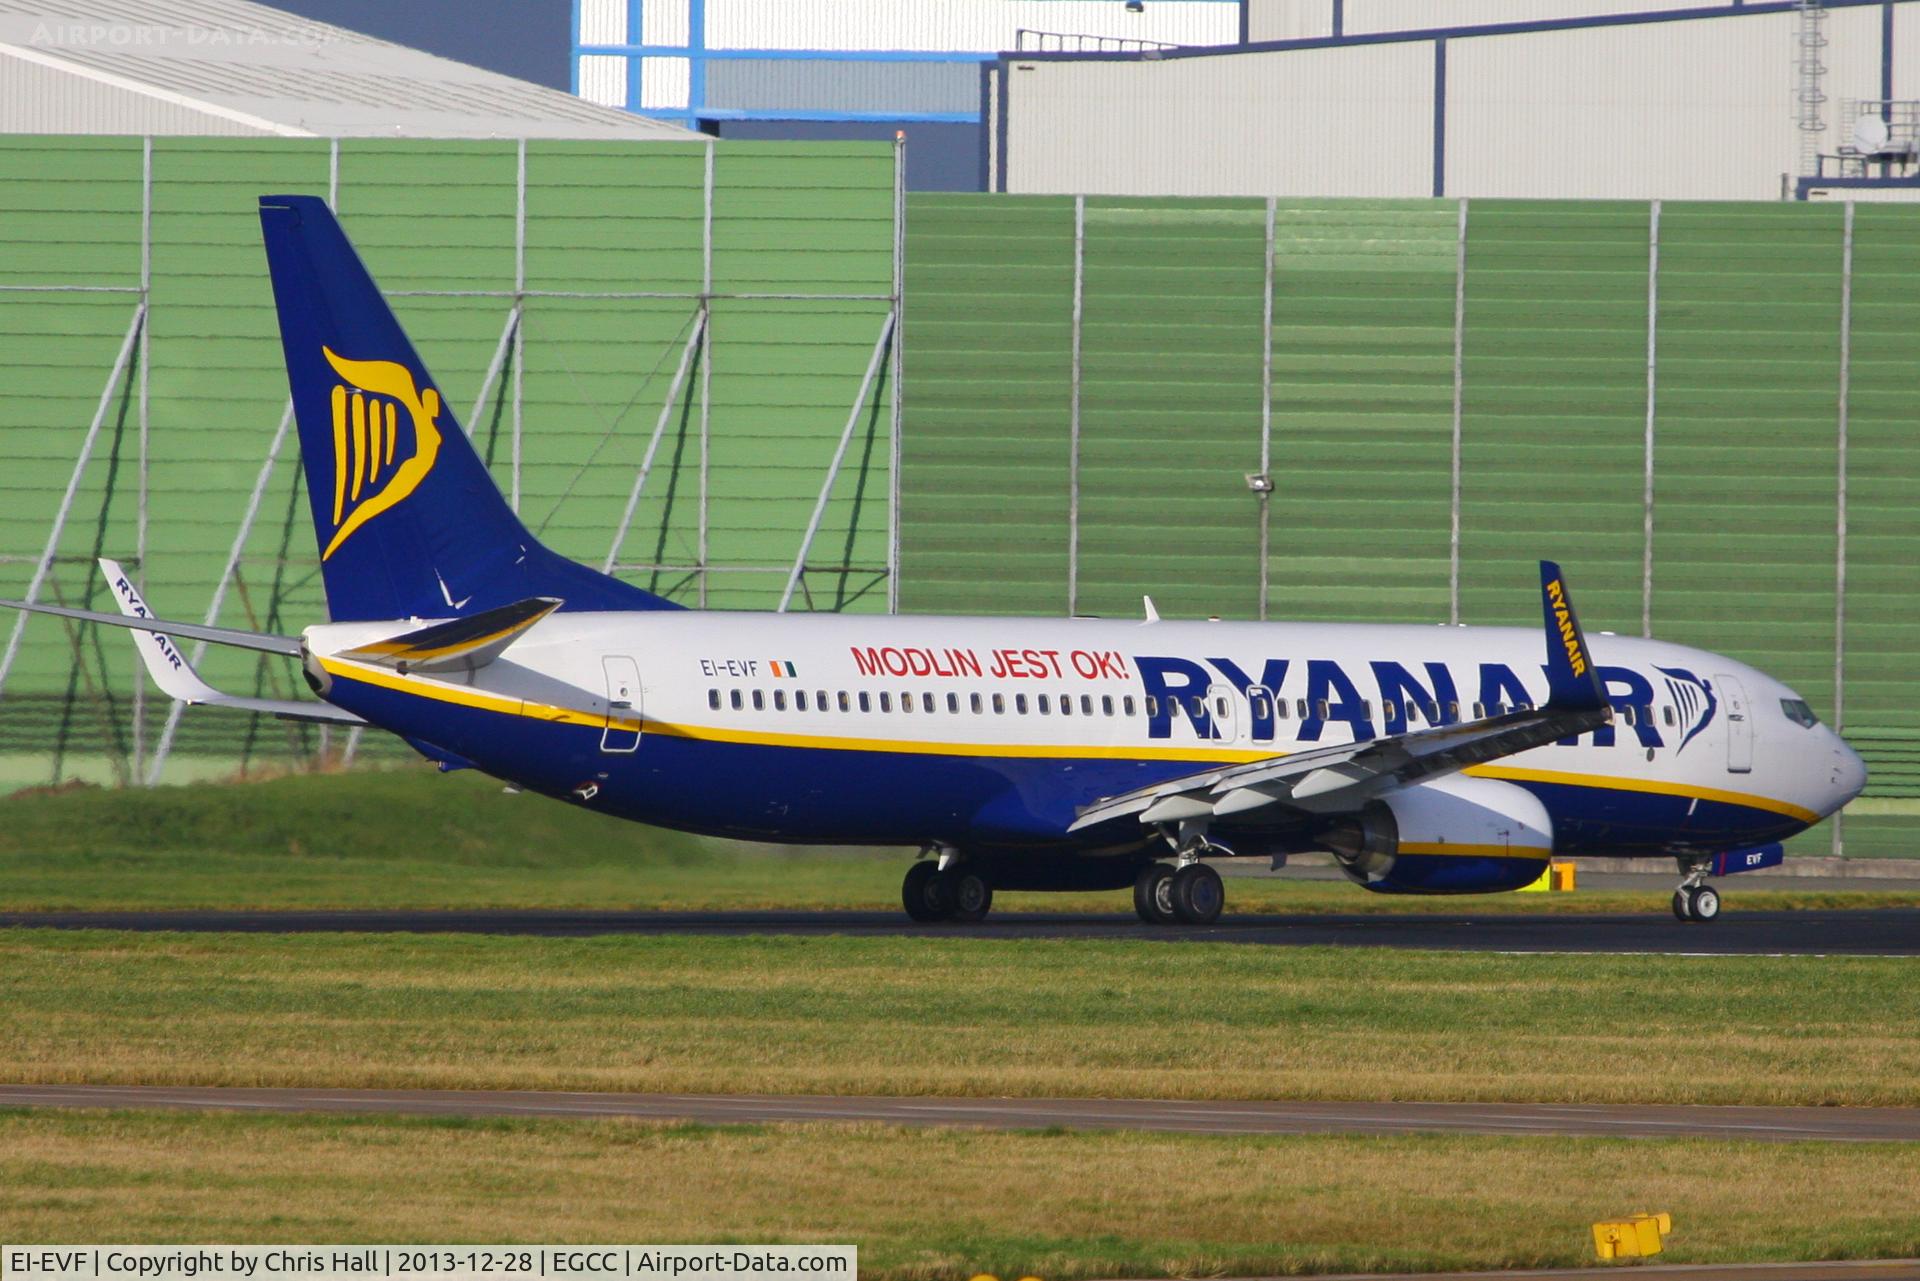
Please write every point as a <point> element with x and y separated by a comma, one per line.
<point>1706,410</point>
<point>586,307</point>
<point>1709,412</point>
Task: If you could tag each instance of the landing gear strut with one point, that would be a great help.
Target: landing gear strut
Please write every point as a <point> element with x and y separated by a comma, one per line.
<point>1695,900</point>
<point>1191,895</point>
<point>945,891</point>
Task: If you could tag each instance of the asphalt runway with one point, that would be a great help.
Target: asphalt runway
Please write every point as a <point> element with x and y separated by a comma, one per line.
<point>1884,931</point>
<point>1179,1116</point>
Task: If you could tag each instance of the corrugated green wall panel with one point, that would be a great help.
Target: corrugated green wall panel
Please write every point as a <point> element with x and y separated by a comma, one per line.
<point>1554,423</point>
<point>437,217</point>
<point>1170,405</point>
<point>984,455</point>
<point>1363,299</point>
<point>1553,430</point>
<point>1747,435</point>
<point>1882,630</point>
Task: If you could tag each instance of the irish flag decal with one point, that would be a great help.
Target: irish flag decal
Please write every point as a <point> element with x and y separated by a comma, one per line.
<point>782,668</point>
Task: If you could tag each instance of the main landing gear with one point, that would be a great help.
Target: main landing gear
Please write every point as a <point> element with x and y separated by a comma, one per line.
<point>1695,900</point>
<point>1164,894</point>
<point>945,891</point>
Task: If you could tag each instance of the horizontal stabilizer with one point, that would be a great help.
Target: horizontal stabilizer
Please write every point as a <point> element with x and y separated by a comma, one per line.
<point>265,642</point>
<point>462,644</point>
<point>175,675</point>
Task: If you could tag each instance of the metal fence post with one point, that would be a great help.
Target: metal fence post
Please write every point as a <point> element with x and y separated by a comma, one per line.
<point>140,520</point>
<point>1073,413</point>
<point>1265,496</point>
<point>519,300</point>
<point>706,361</point>
<point>895,358</point>
<point>1840,502</point>
<point>1459,401</point>
<point>1653,365</point>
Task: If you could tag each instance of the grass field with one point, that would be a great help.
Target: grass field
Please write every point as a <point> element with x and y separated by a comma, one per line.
<point>953,1016</point>
<point>413,838</point>
<point>944,1204</point>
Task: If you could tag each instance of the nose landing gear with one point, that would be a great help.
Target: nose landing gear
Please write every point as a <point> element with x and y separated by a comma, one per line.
<point>1695,900</point>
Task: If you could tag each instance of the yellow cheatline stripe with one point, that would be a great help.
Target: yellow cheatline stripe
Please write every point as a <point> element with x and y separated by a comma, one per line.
<point>1690,790</point>
<point>460,695</point>
<point>908,747</point>
<point>1475,851</point>
<point>466,697</point>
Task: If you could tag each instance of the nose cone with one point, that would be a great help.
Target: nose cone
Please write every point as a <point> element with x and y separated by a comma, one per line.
<point>1849,773</point>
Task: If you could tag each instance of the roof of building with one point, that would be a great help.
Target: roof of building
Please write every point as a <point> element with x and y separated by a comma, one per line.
<point>235,67</point>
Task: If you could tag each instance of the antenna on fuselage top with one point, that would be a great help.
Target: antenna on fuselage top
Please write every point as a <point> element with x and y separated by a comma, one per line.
<point>1153,615</point>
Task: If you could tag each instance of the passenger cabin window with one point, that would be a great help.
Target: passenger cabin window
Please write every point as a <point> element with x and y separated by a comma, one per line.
<point>713,699</point>
<point>1086,704</point>
<point>1669,715</point>
<point>1799,713</point>
<point>973,700</point>
<point>759,700</point>
<point>999,704</point>
<point>1153,705</point>
<point>1020,704</point>
<point>733,698</point>
<point>1220,707</point>
<point>800,700</point>
<point>843,701</point>
<point>1388,709</point>
<point>1106,705</point>
<point>1259,704</point>
<point>886,701</point>
<point>866,701</point>
<point>1197,705</point>
<point>1302,705</point>
<point>1066,704</point>
<point>779,700</point>
<point>1046,705</point>
<point>1126,704</point>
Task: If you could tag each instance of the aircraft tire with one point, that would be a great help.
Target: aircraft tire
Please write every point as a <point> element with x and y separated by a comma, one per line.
<point>1703,903</point>
<point>1153,894</point>
<point>926,893</point>
<point>972,895</point>
<point>1682,908</point>
<point>1198,895</point>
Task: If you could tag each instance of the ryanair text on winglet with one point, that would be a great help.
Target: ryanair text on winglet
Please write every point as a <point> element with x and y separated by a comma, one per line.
<point>1563,618</point>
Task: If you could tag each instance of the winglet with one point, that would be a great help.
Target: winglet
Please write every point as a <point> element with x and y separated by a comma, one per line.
<point>1573,682</point>
<point>178,680</point>
<point>165,663</point>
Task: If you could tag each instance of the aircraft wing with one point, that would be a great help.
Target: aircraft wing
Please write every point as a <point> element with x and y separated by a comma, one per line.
<point>1338,776</point>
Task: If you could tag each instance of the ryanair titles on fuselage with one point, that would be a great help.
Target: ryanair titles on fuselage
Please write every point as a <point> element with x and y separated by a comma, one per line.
<point>1332,692</point>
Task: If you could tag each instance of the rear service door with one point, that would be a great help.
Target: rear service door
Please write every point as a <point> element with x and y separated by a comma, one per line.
<point>622,733</point>
<point>1733,697</point>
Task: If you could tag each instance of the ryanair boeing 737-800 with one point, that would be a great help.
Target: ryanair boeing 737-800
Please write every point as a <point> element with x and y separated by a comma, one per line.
<point>1016,753</point>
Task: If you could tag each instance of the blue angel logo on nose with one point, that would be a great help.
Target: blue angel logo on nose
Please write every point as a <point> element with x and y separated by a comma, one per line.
<point>1693,698</point>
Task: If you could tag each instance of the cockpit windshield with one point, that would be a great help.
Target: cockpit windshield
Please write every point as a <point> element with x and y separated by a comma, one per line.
<point>1799,713</point>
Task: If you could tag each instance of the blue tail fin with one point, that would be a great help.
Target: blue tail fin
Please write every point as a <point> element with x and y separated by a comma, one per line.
<point>410,524</point>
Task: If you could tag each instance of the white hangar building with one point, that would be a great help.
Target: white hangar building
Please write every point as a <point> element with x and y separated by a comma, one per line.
<point>1554,99</point>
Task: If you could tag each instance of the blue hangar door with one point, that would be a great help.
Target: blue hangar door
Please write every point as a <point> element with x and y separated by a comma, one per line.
<point>622,733</point>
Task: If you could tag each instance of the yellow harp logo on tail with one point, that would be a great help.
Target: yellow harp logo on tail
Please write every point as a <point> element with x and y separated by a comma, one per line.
<point>366,420</point>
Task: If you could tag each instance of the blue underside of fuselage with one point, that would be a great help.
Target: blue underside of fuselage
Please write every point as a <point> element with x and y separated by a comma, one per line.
<point>812,795</point>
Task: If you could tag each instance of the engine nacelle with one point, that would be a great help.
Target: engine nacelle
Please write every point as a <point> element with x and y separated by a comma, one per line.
<point>1454,835</point>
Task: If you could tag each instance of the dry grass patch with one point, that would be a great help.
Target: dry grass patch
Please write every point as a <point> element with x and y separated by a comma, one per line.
<point>946,1203</point>
<point>953,1016</point>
